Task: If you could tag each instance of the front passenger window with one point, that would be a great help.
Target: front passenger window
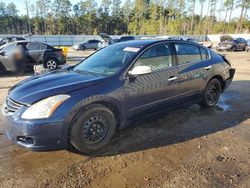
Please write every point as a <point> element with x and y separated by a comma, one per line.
<point>157,57</point>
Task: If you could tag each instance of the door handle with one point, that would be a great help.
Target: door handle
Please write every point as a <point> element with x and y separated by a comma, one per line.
<point>208,67</point>
<point>172,78</point>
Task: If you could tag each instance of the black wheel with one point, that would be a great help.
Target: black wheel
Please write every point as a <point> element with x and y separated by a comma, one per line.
<point>92,129</point>
<point>211,95</point>
<point>51,64</point>
<point>83,47</point>
<point>234,49</point>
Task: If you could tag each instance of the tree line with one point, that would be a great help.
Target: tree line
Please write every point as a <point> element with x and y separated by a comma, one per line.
<point>142,17</point>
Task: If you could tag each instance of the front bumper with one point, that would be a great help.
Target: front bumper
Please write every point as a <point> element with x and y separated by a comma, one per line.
<point>37,135</point>
<point>224,48</point>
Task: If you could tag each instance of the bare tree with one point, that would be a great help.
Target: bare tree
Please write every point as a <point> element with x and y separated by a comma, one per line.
<point>28,16</point>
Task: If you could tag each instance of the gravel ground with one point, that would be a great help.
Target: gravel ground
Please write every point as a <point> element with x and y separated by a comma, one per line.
<point>188,147</point>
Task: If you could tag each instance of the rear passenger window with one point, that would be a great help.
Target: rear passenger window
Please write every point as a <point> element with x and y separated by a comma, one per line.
<point>35,47</point>
<point>204,53</point>
<point>157,57</point>
<point>187,53</point>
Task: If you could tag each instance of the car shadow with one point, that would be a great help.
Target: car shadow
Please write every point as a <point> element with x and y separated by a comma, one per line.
<point>181,125</point>
<point>29,72</point>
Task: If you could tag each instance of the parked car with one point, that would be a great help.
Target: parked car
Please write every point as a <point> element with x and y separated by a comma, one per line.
<point>90,44</point>
<point>6,40</point>
<point>232,45</point>
<point>17,56</point>
<point>85,104</point>
<point>108,40</point>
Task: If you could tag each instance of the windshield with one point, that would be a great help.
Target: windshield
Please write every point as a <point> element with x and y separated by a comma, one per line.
<point>107,61</point>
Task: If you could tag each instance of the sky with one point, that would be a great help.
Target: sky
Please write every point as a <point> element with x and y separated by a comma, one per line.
<point>21,7</point>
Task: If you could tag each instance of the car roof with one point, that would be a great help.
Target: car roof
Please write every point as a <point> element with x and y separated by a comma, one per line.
<point>28,41</point>
<point>145,43</point>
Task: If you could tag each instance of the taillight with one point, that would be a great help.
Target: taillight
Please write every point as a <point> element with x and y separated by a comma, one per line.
<point>60,53</point>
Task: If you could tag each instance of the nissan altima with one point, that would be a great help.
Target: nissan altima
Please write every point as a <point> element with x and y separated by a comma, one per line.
<point>85,104</point>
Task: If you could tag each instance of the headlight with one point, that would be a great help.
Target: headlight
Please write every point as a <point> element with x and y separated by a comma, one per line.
<point>44,108</point>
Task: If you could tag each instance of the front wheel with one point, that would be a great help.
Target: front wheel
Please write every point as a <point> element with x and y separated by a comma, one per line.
<point>83,47</point>
<point>92,128</point>
<point>211,94</point>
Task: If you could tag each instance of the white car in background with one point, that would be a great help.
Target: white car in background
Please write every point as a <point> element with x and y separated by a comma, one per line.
<point>90,44</point>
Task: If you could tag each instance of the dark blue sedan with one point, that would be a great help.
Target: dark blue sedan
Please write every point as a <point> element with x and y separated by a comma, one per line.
<point>83,105</point>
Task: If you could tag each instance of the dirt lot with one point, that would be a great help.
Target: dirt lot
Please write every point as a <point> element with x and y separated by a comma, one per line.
<point>189,147</point>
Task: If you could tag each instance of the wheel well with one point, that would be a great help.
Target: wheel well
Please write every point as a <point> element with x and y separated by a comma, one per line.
<point>222,83</point>
<point>111,107</point>
<point>108,105</point>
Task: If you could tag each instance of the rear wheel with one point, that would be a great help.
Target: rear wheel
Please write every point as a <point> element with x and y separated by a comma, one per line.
<point>92,129</point>
<point>83,47</point>
<point>211,95</point>
<point>51,64</point>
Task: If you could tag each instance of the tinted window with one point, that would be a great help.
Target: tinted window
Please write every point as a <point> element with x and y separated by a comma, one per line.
<point>8,49</point>
<point>35,46</point>
<point>187,53</point>
<point>93,41</point>
<point>157,57</point>
<point>243,40</point>
<point>126,39</point>
<point>204,53</point>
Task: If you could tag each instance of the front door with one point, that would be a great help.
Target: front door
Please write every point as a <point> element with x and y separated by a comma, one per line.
<point>154,91</point>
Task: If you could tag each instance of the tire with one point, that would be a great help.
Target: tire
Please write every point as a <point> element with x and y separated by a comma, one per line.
<point>92,129</point>
<point>234,49</point>
<point>51,64</point>
<point>211,94</point>
<point>83,48</point>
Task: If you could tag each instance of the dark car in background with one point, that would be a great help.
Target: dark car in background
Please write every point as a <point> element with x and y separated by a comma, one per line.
<point>90,44</point>
<point>232,45</point>
<point>17,56</point>
<point>109,40</point>
<point>85,104</point>
<point>6,40</point>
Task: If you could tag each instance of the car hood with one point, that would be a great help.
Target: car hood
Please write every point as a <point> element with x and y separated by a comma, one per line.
<point>58,82</point>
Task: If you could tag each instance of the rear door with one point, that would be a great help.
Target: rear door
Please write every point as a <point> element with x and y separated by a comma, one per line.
<point>93,44</point>
<point>36,52</point>
<point>155,91</point>
<point>193,70</point>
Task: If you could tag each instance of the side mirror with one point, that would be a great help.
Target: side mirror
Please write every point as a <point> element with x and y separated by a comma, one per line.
<point>140,70</point>
<point>2,53</point>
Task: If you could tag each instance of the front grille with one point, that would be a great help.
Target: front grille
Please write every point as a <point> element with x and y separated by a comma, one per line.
<point>10,107</point>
